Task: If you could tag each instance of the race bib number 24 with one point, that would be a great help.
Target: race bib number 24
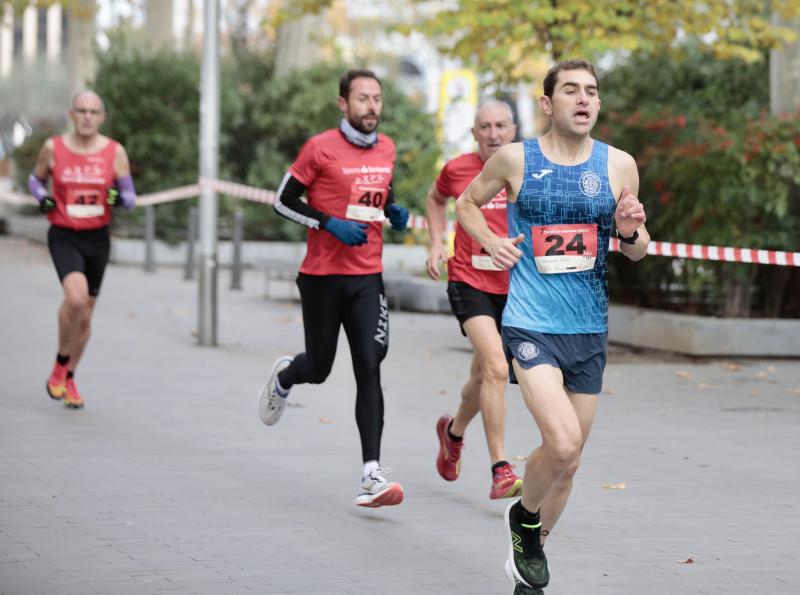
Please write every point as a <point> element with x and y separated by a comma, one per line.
<point>566,248</point>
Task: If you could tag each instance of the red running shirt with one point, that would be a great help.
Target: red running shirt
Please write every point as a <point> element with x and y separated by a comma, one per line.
<point>347,182</point>
<point>470,264</point>
<point>80,186</point>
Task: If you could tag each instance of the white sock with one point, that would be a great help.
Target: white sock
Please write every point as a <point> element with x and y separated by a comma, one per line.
<point>369,467</point>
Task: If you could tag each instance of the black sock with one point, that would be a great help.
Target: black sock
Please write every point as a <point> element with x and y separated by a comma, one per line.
<point>70,374</point>
<point>525,517</point>
<point>453,437</point>
<point>498,464</point>
<point>62,360</point>
<point>285,384</point>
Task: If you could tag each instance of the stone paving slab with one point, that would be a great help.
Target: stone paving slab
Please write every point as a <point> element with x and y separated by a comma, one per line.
<point>167,482</point>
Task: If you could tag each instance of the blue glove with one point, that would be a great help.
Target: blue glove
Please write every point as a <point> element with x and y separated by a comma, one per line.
<point>347,232</point>
<point>398,216</point>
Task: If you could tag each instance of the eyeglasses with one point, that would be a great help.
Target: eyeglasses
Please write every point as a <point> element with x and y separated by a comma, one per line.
<point>87,112</point>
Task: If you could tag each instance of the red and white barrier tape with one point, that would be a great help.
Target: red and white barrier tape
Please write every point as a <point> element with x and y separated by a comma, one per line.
<point>725,254</point>
<point>157,198</point>
<point>260,195</point>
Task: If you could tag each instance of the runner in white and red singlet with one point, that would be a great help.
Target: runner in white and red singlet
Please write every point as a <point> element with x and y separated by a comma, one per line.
<point>477,290</point>
<point>346,174</point>
<point>91,173</point>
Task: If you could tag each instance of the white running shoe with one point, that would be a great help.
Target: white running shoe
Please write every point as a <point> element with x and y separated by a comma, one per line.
<point>270,403</point>
<point>376,491</point>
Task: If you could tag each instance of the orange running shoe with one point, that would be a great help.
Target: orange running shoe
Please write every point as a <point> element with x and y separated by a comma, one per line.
<point>57,383</point>
<point>505,483</point>
<point>72,398</point>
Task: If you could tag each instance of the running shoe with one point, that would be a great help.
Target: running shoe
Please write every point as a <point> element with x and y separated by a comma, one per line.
<point>520,589</point>
<point>270,403</point>
<point>505,483</point>
<point>72,398</point>
<point>376,491</point>
<point>448,462</point>
<point>57,383</point>
<point>526,560</point>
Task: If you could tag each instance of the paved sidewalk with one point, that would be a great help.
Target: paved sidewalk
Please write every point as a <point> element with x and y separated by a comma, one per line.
<point>168,483</point>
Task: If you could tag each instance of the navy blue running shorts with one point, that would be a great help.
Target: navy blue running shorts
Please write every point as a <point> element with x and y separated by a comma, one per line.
<point>581,358</point>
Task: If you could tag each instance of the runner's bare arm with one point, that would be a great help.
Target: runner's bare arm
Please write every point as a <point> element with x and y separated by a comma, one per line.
<point>629,217</point>
<point>44,161</point>
<point>122,165</point>
<point>498,173</point>
<point>436,215</point>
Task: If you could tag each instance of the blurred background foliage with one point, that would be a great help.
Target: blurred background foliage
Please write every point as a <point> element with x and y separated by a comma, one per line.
<point>717,169</point>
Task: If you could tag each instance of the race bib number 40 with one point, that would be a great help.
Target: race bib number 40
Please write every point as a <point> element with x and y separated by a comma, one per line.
<point>566,248</point>
<point>84,203</point>
<point>366,203</point>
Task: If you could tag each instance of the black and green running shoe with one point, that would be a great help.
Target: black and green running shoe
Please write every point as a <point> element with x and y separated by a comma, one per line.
<point>526,562</point>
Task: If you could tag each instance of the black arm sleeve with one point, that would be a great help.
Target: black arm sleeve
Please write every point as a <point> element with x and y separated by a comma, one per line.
<point>389,198</point>
<point>289,205</point>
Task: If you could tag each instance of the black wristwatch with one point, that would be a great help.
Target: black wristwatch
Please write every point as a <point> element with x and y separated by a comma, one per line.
<point>631,240</point>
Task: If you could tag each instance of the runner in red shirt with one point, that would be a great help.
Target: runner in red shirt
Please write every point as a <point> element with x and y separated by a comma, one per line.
<point>346,174</point>
<point>91,173</point>
<point>477,291</point>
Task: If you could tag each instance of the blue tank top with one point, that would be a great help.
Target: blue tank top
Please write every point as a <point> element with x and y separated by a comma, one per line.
<point>565,213</point>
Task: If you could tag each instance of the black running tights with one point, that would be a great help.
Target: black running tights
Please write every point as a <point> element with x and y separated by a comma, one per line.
<point>358,303</point>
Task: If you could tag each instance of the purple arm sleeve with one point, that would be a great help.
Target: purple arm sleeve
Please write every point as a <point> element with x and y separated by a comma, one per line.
<point>127,193</point>
<point>38,188</point>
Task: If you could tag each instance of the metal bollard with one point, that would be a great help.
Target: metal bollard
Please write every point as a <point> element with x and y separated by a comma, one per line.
<point>191,240</point>
<point>149,239</point>
<point>236,269</point>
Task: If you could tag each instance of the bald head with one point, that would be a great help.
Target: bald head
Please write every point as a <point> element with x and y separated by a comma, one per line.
<point>87,97</point>
<point>494,127</point>
<point>87,113</point>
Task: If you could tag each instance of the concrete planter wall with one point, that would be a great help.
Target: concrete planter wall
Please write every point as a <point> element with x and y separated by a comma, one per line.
<point>703,335</point>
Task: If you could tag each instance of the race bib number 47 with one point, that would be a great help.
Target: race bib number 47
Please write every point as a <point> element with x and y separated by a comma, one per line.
<point>84,203</point>
<point>566,248</point>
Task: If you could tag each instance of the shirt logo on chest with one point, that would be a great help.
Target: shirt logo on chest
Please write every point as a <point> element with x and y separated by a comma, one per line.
<point>590,183</point>
<point>542,173</point>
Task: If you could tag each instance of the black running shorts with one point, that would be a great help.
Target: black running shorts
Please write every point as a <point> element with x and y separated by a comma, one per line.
<point>466,302</point>
<point>80,252</point>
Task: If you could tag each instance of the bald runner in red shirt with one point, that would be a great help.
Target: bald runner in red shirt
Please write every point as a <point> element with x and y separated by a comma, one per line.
<point>477,290</point>
<point>90,174</point>
<point>346,174</point>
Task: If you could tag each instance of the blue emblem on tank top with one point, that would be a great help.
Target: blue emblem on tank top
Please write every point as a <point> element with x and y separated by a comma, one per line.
<point>565,213</point>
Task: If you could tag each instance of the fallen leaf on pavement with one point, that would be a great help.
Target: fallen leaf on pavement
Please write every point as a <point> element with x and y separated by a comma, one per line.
<point>683,374</point>
<point>325,420</point>
<point>686,561</point>
<point>703,385</point>
<point>772,369</point>
<point>762,374</point>
<point>615,486</point>
<point>795,391</point>
<point>731,367</point>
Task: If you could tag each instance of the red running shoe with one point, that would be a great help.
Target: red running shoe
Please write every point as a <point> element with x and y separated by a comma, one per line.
<point>57,383</point>
<point>448,463</point>
<point>72,399</point>
<point>505,483</point>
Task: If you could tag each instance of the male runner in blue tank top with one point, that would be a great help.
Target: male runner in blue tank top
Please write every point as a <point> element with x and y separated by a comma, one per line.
<point>564,191</point>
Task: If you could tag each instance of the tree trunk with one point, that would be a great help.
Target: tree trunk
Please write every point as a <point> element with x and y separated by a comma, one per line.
<point>80,51</point>
<point>739,296</point>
